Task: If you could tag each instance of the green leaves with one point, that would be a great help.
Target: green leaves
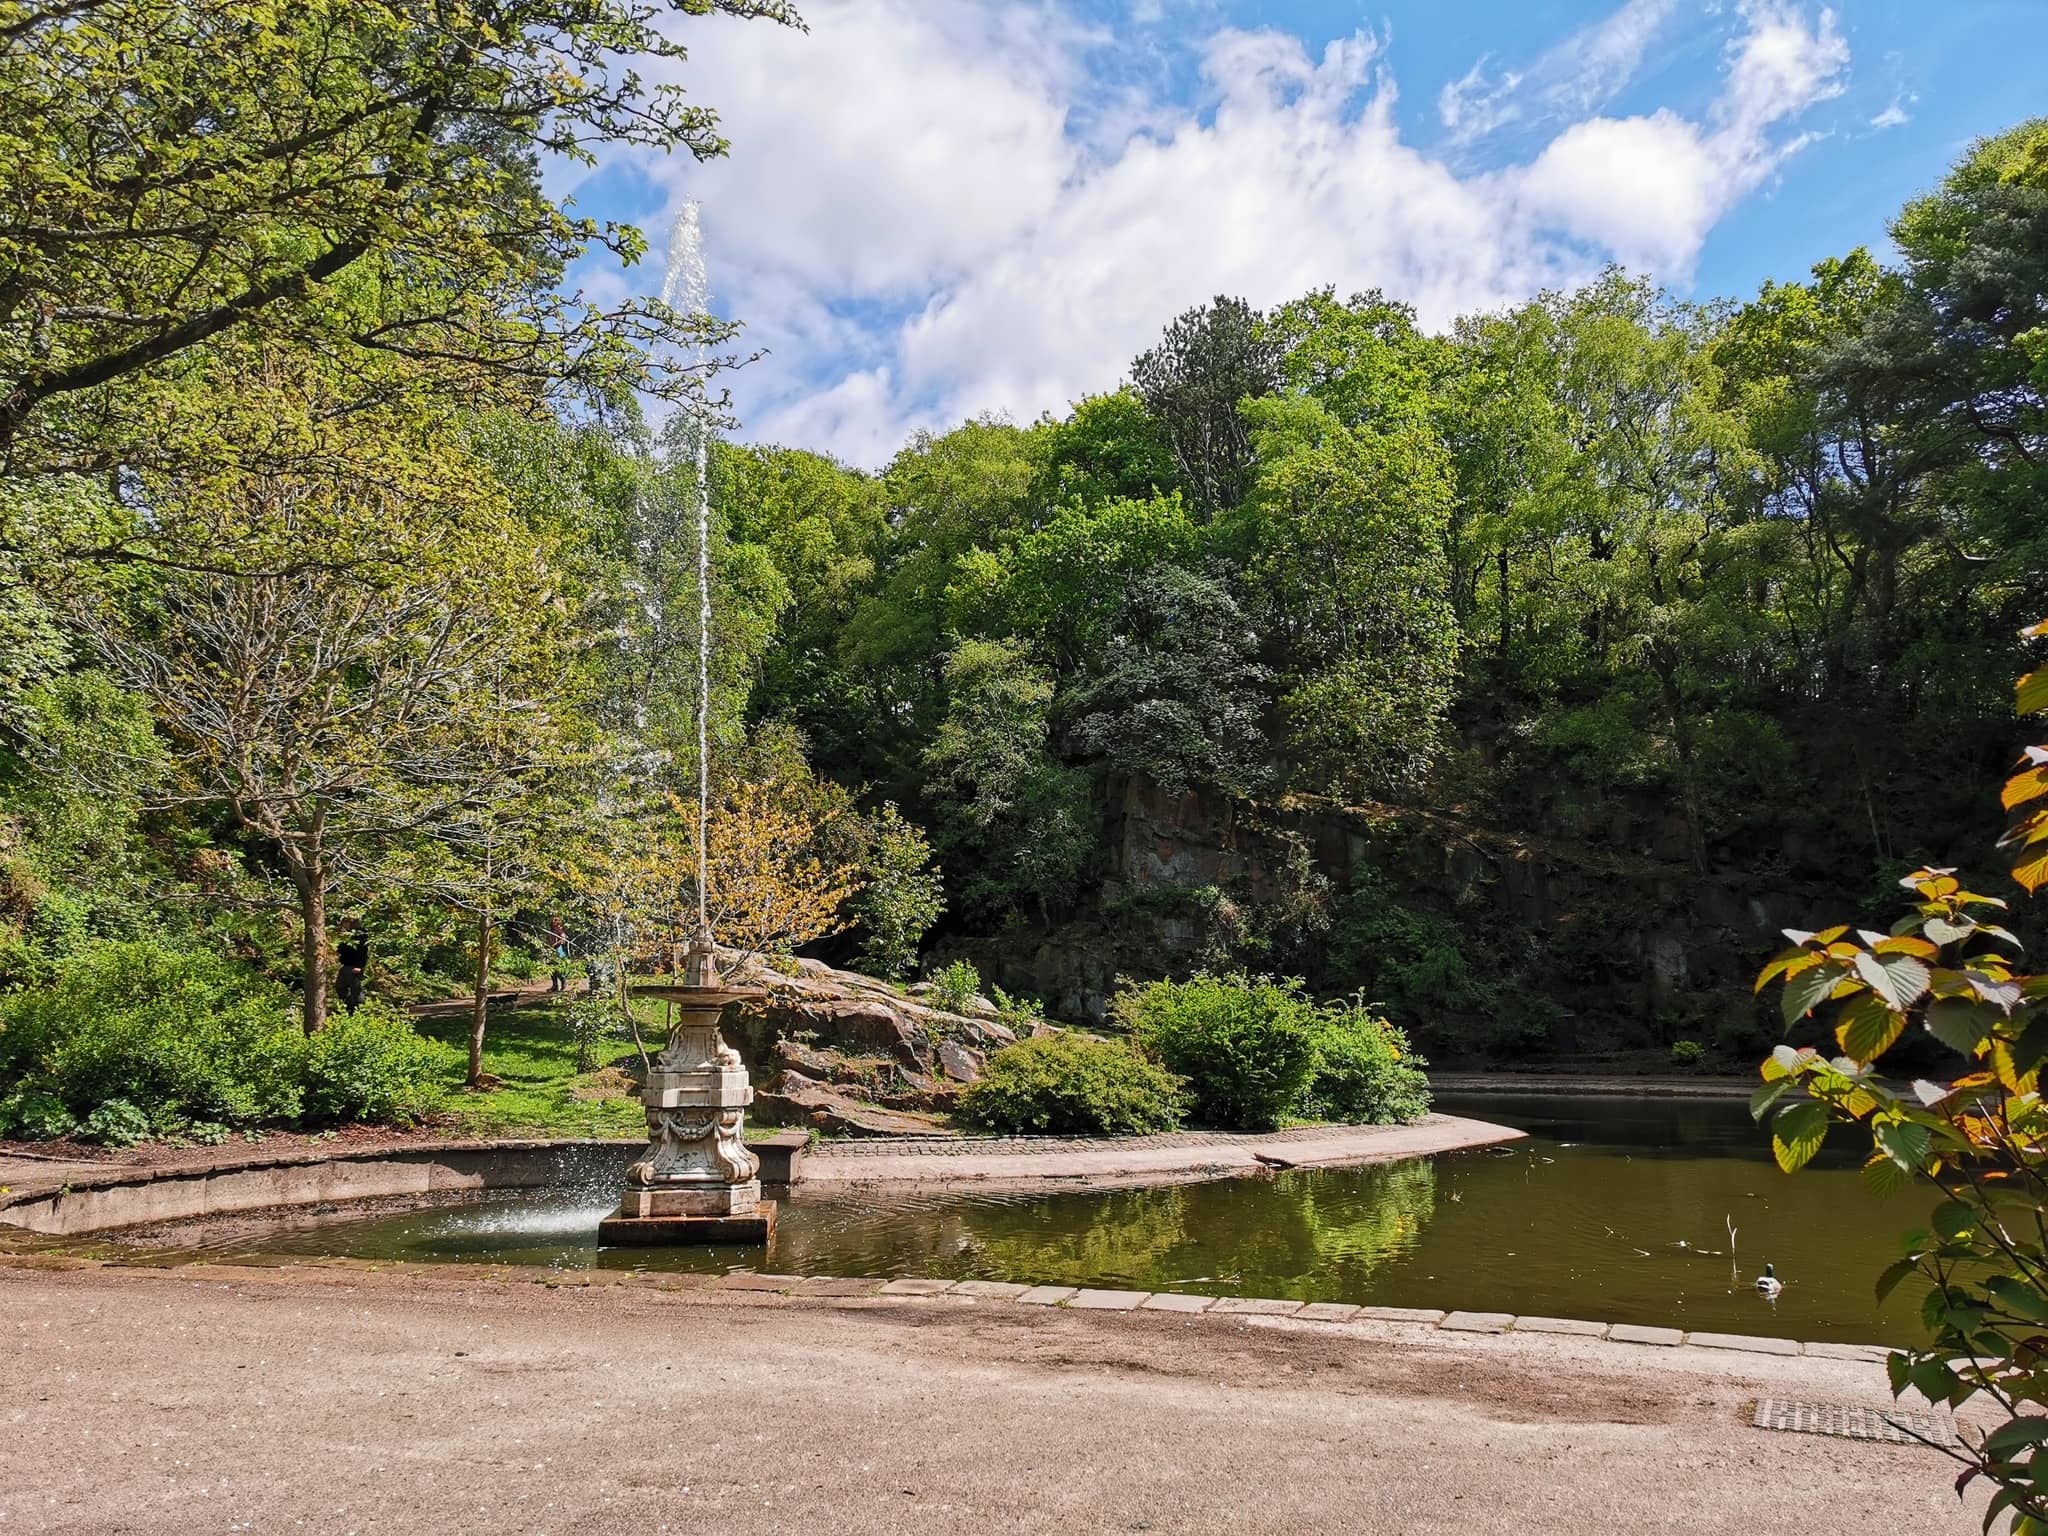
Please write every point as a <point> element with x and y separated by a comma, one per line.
<point>1797,1135</point>
<point>1809,989</point>
<point>2031,695</point>
<point>1959,1023</point>
<point>1904,1144</point>
<point>1868,1027</point>
<point>1899,979</point>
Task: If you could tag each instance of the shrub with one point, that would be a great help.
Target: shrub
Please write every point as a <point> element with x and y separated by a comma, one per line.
<point>1020,1014</point>
<point>955,987</point>
<point>1687,1053</point>
<point>142,1037</point>
<point>34,1115</point>
<point>372,1065</point>
<point>591,1020</point>
<point>187,1032</point>
<point>1364,1071</point>
<point>1420,963</point>
<point>1245,1045</point>
<point>1073,1085</point>
<point>117,1123</point>
<point>903,895</point>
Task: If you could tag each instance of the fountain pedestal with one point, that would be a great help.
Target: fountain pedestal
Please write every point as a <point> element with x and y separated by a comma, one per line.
<point>697,1183</point>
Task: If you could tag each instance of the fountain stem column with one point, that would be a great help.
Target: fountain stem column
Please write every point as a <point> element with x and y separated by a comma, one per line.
<point>697,1183</point>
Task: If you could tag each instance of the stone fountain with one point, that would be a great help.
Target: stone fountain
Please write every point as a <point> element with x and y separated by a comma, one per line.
<point>698,1182</point>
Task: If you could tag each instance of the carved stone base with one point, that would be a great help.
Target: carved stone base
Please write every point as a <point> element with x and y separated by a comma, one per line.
<point>699,1182</point>
<point>684,1200</point>
<point>625,1231</point>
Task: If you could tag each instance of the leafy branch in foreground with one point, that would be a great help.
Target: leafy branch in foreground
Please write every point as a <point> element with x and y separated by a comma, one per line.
<point>360,178</point>
<point>1979,1137</point>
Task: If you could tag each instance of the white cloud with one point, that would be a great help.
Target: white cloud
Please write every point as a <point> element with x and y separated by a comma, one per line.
<point>1584,72</point>
<point>929,212</point>
<point>1648,189</point>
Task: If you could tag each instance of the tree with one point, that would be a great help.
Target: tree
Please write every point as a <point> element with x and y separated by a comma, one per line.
<point>1109,448</point>
<point>1341,543</point>
<point>1176,696</point>
<point>1065,582</point>
<point>339,709</point>
<point>902,895</point>
<point>955,503</point>
<point>1209,362</point>
<point>775,877</point>
<point>821,526</point>
<point>1018,818</point>
<point>498,848</point>
<point>1364,360</point>
<point>352,180</point>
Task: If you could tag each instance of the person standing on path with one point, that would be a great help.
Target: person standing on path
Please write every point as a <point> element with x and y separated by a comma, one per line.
<point>558,936</point>
<point>352,955</point>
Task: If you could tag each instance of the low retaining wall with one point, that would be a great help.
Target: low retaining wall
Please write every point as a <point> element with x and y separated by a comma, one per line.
<point>143,1196</point>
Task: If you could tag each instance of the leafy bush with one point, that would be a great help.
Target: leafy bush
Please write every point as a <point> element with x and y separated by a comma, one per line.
<point>591,1021</point>
<point>117,1123</point>
<point>1417,962</point>
<point>954,987</point>
<point>185,1031</point>
<point>1365,1071</point>
<point>372,1065</point>
<point>34,1115</point>
<point>1971,1130</point>
<point>903,895</point>
<point>1245,1045</point>
<point>141,1037</point>
<point>1073,1085</point>
<point>1018,1014</point>
<point>1687,1053</point>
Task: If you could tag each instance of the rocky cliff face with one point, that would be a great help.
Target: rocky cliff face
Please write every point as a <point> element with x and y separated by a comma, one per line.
<point>1616,924</point>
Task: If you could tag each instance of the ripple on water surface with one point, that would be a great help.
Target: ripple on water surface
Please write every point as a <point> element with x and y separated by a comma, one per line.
<point>1611,1210</point>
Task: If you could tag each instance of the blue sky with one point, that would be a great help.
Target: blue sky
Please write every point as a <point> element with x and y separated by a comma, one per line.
<point>939,208</point>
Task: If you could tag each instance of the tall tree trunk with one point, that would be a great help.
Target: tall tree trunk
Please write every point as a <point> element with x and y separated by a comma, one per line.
<point>312,881</point>
<point>482,1001</point>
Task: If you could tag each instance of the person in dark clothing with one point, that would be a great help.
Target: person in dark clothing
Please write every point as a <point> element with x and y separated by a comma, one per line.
<point>558,936</point>
<point>352,955</point>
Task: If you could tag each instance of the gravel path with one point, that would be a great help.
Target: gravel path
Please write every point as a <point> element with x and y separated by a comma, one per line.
<point>334,1401</point>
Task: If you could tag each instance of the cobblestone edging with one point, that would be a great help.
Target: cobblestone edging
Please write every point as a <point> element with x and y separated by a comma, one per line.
<point>1084,1299</point>
<point>1050,1146</point>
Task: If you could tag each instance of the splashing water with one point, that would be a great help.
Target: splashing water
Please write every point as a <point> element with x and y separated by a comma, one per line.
<point>687,290</point>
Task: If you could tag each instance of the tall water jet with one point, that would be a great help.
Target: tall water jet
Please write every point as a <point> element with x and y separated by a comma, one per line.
<point>697,1183</point>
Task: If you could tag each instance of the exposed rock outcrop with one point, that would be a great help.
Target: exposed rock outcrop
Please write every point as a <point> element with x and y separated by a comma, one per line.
<point>850,1054</point>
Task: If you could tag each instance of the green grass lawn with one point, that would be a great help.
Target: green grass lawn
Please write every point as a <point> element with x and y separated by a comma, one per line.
<point>539,1090</point>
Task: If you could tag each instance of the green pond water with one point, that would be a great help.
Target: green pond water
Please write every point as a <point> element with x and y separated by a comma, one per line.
<point>1612,1209</point>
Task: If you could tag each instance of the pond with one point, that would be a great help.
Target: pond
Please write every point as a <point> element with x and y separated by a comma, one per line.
<point>1613,1209</point>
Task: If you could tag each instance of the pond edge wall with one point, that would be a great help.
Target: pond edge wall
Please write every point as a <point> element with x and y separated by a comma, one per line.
<point>142,1196</point>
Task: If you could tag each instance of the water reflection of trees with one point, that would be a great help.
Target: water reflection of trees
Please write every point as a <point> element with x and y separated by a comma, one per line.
<point>1297,1234</point>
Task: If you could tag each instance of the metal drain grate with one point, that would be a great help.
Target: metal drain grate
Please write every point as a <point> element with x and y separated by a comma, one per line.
<point>1895,1426</point>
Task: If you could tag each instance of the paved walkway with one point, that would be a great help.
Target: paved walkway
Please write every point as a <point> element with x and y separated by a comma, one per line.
<point>1035,1159</point>
<point>337,1400</point>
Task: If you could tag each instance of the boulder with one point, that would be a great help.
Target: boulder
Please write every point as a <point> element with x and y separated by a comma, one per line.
<point>796,1055</point>
<point>795,1099</point>
<point>960,1063</point>
<point>845,1011</point>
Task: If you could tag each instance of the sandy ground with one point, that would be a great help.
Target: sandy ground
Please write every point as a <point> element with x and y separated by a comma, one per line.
<point>328,1400</point>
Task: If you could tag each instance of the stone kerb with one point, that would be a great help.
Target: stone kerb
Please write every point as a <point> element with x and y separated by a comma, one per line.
<point>132,1197</point>
<point>1266,1309</point>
